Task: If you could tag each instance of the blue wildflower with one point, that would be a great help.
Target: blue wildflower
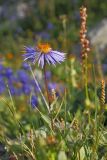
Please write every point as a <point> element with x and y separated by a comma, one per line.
<point>23,76</point>
<point>34,101</point>
<point>44,35</point>
<point>48,74</point>
<point>25,66</point>
<point>15,91</point>
<point>52,86</point>
<point>59,88</point>
<point>14,85</point>
<point>12,89</point>
<point>50,26</point>
<point>35,88</point>
<point>1,68</point>
<point>8,72</point>
<point>2,86</point>
<point>26,89</point>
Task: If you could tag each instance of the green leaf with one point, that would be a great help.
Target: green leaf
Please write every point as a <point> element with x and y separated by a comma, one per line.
<point>82,153</point>
<point>62,155</point>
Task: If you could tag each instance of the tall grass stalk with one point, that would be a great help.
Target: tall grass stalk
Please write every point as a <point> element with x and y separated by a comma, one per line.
<point>86,80</point>
<point>14,110</point>
<point>65,112</point>
<point>96,110</point>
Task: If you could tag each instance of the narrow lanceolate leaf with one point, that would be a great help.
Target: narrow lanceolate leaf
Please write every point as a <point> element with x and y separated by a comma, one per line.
<point>45,118</point>
<point>59,109</point>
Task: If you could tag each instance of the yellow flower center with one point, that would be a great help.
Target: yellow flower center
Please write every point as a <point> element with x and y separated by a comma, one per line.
<point>44,47</point>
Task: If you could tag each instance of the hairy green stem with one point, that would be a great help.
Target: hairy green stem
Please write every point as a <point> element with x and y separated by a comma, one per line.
<point>86,80</point>
<point>48,96</point>
<point>96,111</point>
<point>36,82</point>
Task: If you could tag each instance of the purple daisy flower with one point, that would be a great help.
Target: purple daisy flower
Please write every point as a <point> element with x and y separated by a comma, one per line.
<point>30,54</point>
<point>42,54</point>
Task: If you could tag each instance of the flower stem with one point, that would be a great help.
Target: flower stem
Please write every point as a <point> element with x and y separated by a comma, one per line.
<point>86,79</point>
<point>96,112</point>
<point>48,96</point>
<point>46,85</point>
<point>36,82</point>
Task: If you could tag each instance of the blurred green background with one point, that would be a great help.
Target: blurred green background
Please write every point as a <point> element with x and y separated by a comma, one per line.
<point>28,22</point>
<point>24,22</point>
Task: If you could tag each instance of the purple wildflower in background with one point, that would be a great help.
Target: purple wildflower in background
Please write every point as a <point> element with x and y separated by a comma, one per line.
<point>25,66</point>
<point>48,75</point>
<point>2,85</point>
<point>23,76</point>
<point>35,87</point>
<point>34,101</point>
<point>59,88</point>
<point>44,35</point>
<point>26,89</point>
<point>50,26</point>
<point>42,54</point>
<point>1,68</point>
<point>8,72</point>
<point>52,86</point>
<point>12,89</point>
<point>13,79</point>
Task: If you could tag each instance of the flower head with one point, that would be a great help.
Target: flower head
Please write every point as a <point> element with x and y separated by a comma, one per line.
<point>42,54</point>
